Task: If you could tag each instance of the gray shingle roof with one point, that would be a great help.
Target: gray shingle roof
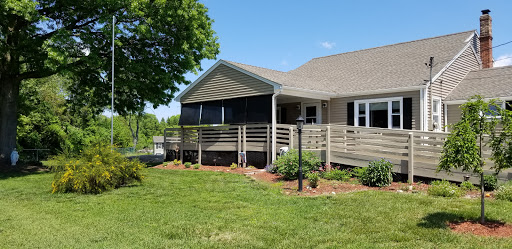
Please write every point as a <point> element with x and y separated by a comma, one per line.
<point>489,83</point>
<point>392,66</point>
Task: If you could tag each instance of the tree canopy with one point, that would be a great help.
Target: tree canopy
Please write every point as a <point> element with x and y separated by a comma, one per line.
<point>156,43</point>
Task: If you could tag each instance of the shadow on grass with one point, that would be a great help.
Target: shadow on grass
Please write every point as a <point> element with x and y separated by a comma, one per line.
<point>442,220</point>
<point>8,171</point>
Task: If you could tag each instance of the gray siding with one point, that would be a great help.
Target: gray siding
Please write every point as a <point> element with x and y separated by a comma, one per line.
<point>453,75</point>
<point>226,83</point>
<point>339,106</point>
<point>453,114</point>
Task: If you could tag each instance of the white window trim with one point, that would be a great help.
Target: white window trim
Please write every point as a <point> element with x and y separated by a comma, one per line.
<point>390,110</point>
<point>439,111</point>
<point>318,110</point>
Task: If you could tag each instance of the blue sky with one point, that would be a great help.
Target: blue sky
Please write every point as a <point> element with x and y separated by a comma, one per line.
<point>283,35</point>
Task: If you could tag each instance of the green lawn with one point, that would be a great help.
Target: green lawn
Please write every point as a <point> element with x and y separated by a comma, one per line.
<point>203,209</point>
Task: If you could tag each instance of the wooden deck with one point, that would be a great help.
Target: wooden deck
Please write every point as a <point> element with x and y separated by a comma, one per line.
<point>415,153</point>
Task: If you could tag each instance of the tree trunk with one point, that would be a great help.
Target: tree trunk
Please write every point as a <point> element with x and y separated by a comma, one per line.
<point>9,92</point>
<point>482,199</point>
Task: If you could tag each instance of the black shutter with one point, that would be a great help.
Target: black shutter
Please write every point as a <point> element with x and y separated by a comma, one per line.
<point>283,116</point>
<point>350,113</point>
<point>508,105</point>
<point>235,110</point>
<point>190,114</point>
<point>211,112</point>
<point>259,109</point>
<point>407,113</point>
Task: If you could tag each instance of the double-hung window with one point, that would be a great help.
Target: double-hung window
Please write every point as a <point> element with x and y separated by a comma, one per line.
<point>382,113</point>
<point>436,113</point>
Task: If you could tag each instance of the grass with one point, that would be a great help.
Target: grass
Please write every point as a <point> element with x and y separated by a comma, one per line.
<point>200,209</point>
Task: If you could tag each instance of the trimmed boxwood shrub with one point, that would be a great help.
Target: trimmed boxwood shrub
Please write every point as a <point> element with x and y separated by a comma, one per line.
<point>288,164</point>
<point>96,170</point>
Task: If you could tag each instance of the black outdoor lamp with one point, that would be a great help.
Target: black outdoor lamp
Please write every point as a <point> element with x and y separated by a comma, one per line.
<point>300,125</point>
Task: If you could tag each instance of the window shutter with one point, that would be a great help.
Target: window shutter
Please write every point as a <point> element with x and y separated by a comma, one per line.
<point>407,102</point>
<point>350,113</point>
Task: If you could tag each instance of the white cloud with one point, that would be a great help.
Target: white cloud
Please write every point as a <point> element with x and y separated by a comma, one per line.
<point>504,60</point>
<point>327,44</point>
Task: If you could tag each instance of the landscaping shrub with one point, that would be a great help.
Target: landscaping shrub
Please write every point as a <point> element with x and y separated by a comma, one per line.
<point>197,166</point>
<point>288,164</point>
<point>444,188</point>
<point>188,164</point>
<point>359,172</point>
<point>176,162</point>
<point>490,182</point>
<point>233,166</point>
<point>467,186</point>
<point>504,192</point>
<point>378,174</point>
<point>313,178</point>
<point>338,175</point>
<point>96,170</point>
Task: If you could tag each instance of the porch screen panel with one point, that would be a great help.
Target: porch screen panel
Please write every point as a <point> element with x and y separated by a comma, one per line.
<point>211,113</point>
<point>235,110</point>
<point>259,109</point>
<point>190,114</point>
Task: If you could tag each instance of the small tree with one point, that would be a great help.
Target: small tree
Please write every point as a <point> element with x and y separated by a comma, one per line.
<point>463,147</point>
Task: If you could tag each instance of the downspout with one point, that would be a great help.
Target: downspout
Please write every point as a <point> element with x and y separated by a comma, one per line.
<point>274,123</point>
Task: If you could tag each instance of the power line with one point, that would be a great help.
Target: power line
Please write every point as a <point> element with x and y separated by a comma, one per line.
<point>505,43</point>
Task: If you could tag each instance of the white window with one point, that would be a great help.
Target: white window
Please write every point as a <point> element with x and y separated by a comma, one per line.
<point>436,113</point>
<point>383,113</point>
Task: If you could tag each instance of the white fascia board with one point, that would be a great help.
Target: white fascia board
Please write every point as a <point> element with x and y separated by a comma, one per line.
<point>306,93</point>
<point>221,62</point>
<point>381,91</point>
<point>449,63</point>
<point>462,101</point>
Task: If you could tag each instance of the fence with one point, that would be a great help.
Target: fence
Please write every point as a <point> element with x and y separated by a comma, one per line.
<point>415,153</point>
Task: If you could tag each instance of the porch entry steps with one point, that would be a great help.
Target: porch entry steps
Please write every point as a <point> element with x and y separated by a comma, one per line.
<point>414,153</point>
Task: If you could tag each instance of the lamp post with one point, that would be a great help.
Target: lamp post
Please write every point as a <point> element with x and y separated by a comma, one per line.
<point>300,123</point>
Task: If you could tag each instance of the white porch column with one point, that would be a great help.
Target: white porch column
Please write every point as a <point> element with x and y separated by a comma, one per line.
<point>274,123</point>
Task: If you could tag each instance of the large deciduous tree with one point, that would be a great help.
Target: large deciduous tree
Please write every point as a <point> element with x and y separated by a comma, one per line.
<point>157,42</point>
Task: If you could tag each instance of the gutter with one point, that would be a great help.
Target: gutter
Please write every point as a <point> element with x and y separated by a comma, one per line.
<point>274,124</point>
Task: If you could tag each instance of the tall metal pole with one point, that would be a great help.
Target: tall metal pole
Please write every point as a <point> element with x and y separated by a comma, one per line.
<point>112,105</point>
<point>300,159</point>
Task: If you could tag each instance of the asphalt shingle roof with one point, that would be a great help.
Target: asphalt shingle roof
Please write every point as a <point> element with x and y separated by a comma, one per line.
<point>392,66</point>
<point>489,83</point>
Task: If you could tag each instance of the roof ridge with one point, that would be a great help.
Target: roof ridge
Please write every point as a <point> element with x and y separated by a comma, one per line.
<point>231,62</point>
<point>491,68</point>
<point>394,44</point>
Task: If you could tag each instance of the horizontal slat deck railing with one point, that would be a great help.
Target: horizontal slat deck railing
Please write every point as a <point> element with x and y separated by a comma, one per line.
<point>342,144</point>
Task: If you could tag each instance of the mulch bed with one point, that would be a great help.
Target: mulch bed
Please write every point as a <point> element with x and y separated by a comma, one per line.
<point>488,229</point>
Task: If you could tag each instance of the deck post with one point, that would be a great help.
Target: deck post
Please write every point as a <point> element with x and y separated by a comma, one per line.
<point>410,163</point>
<point>269,150</point>
<point>345,139</point>
<point>328,145</point>
<point>182,144</point>
<point>199,148</point>
<point>290,140</point>
<point>244,144</point>
<point>239,144</point>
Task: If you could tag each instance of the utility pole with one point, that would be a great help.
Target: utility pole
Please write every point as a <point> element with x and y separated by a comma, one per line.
<point>430,121</point>
<point>112,105</point>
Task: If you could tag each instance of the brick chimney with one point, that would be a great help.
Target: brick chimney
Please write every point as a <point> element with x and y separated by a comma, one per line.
<point>486,39</point>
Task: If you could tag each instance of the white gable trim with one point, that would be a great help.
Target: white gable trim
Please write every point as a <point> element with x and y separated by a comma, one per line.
<point>450,63</point>
<point>218,63</point>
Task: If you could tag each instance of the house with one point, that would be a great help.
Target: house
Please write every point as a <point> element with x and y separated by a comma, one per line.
<point>158,145</point>
<point>406,85</point>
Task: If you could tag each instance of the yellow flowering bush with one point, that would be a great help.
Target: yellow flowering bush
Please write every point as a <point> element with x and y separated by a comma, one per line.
<point>97,169</point>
